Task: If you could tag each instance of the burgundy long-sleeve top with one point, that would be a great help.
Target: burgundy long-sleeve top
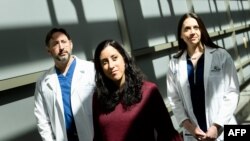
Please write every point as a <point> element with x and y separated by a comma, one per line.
<point>137,123</point>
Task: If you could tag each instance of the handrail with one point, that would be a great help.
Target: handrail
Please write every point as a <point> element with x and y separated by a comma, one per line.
<point>165,46</point>
<point>19,80</point>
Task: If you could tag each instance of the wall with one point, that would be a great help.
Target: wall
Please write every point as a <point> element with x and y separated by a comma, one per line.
<point>152,29</point>
<point>17,118</point>
<point>146,27</point>
<point>23,27</point>
<point>25,24</point>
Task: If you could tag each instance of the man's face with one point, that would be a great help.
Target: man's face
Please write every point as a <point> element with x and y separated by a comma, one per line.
<point>60,47</point>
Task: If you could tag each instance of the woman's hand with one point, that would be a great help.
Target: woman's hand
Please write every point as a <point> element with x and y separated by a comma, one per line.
<point>194,130</point>
<point>213,132</point>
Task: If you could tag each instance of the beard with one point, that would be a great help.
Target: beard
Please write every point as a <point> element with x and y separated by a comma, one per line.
<point>64,58</point>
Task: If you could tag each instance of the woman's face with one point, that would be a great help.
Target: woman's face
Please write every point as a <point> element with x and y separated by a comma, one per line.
<point>113,65</point>
<point>190,32</point>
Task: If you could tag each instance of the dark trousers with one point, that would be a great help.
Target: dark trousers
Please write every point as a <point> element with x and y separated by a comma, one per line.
<point>72,137</point>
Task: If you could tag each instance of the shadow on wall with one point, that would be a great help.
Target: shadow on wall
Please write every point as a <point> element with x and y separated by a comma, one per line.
<point>17,119</point>
<point>242,112</point>
<point>12,95</point>
<point>30,55</point>
<point>31,135</point>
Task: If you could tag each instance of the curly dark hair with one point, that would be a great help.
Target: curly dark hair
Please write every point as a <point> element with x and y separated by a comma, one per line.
<point>109,94</point>
<point>205,38</point>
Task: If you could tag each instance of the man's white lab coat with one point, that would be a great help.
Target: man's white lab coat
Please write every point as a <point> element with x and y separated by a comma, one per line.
<point>49,110</point>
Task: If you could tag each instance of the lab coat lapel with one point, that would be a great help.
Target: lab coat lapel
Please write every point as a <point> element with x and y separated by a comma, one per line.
<point>208,61</point>
<point>77,77</point>
<point>183,71</point>
<point>53,84</point>
<point>183,75</point>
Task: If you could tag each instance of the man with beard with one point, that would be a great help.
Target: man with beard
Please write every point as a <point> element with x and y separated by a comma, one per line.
<point>63,95</point>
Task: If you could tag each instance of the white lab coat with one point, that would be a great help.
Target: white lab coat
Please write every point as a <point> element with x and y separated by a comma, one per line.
<point>49,110</point>
<point>221,89</point>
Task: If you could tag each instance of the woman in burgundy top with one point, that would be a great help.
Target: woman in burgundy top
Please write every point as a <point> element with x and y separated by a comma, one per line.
<point>125,106</point>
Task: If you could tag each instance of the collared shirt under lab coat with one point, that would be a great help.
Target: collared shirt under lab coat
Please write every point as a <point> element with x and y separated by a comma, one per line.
<point>221,89</point>
<point>49,105</point>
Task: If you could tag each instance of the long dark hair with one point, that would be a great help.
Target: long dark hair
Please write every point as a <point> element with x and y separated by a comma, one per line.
<point>205,38</point>
<point>108,94</point>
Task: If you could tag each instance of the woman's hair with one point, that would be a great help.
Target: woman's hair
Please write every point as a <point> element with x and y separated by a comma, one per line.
<point>108,94</point>
<point>205,38</point>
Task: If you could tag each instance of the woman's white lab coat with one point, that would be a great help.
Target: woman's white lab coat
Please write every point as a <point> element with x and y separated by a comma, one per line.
<point>221,89</point>
<point>49,110</point>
